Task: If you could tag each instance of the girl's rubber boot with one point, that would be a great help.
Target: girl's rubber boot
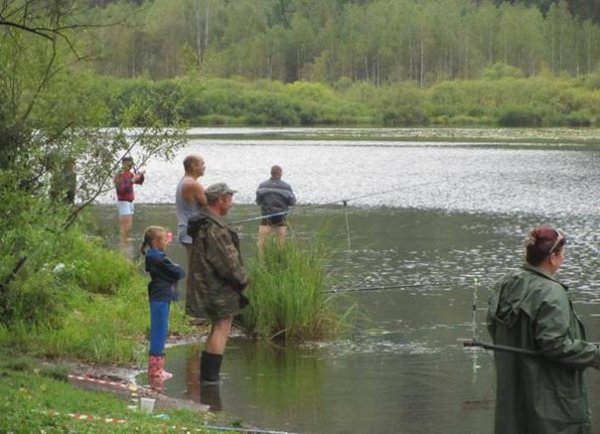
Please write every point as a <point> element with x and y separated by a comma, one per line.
<point>210,366</point>
<point>155,379</point>
<point>164,374</point>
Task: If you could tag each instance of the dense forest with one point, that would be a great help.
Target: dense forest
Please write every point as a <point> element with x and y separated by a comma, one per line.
<point>380,41</point>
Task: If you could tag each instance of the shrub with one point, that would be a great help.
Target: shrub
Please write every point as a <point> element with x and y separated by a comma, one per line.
<point>94,268</point>
<point>580,118</point>
<point>501,70</point>
<point>287,298</point>
<point>520,117</point>
<point>35,299</point>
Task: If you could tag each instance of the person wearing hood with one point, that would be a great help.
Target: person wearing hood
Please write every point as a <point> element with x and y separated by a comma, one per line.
<point>530,309</point>
<point>217,277</point>
<point>162,289</point>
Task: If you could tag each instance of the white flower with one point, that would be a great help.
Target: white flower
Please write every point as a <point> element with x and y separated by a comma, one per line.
<point>58,268</point>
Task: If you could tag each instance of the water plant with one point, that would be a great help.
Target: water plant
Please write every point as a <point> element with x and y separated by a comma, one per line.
<point>287,294</point>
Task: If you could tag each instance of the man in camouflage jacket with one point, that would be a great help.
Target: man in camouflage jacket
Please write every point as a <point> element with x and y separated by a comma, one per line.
<point>217,277</point>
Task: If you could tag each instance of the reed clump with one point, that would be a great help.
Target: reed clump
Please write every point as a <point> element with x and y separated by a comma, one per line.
<point>287,295</point>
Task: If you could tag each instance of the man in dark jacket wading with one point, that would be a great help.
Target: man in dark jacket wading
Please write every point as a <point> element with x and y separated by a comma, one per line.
<point>274,197</point>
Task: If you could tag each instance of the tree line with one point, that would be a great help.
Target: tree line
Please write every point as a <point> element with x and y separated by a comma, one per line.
<point>379,41</point>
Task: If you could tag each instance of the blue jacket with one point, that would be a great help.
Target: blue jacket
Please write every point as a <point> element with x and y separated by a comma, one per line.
<point>164,275</point>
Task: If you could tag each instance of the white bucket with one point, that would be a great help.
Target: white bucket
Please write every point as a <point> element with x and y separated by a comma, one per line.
<point>147,404</point>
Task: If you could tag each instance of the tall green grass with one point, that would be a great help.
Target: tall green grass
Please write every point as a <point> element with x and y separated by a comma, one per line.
<point>287,295</point>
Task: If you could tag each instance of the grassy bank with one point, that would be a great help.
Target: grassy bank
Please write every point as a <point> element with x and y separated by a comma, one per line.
<point>75,298</point>
<point>40,400</point>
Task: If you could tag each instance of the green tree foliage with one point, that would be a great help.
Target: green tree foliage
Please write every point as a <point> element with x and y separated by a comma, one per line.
<point>584,9</point>
<point>380,41</point>
<point>51,114</point>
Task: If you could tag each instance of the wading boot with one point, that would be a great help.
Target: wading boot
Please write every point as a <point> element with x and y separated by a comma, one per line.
<point>210,366</point>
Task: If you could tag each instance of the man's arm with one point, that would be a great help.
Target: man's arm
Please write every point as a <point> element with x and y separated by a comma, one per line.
<point>551,334</point>
<point>291,198</point>
<point>192,191</point>
<point>139,178</point>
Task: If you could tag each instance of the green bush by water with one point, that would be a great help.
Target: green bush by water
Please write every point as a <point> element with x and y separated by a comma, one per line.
<point>74,297</point>
<point>501,96</point>
<point>287,298</point>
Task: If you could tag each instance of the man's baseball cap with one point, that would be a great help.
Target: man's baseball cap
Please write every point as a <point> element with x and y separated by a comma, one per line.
<point>217,190</point>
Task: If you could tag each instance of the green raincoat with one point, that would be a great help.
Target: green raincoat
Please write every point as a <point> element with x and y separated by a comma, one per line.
<point>216,276</point>
<point>545,394</point>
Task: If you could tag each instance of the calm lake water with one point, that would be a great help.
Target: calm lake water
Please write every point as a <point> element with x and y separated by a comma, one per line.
<point>429,214</point>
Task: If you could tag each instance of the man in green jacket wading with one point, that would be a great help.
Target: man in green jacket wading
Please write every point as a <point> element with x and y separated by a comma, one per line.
<point>529,309</point>
<point>217,277</point>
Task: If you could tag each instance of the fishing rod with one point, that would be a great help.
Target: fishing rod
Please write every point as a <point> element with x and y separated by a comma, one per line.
<point>474,343</point>
<point>342,201</point>
<point>385,287</point>
<point>266,216</point>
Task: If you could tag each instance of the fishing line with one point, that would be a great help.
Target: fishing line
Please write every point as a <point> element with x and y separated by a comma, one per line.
<point>343,201</point>
<point>386,287</point>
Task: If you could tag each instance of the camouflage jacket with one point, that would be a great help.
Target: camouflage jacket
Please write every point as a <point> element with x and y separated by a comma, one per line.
<point>216,275</point>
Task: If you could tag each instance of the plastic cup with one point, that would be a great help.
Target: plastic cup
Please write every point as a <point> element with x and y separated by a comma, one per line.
<point>147,404</point>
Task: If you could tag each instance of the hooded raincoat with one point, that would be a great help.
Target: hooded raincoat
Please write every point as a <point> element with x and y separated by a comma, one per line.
<point>546,393</point>
<point>216,276</point>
